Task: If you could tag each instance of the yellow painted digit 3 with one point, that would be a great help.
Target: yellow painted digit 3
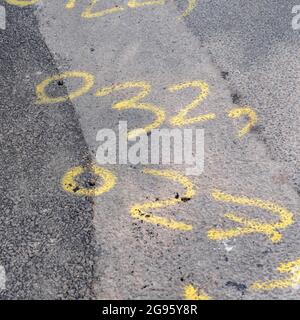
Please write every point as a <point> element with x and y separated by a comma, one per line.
<point>134,103</point>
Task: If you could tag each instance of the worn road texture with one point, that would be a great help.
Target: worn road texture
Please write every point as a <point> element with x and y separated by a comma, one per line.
<point>46,238</point>
<point>58,245</point>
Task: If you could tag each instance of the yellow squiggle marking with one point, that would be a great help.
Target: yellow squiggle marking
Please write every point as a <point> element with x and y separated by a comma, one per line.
<point>191,6</point>
<point>190,293</point>
<point>88,14</point>
<point>137,4</point>
<point>22,3</point>
<point>71,4</point>
<point>244,111</point>
<point>43,98</point>
<point>70,185</point>
<point>292,281</point>
<point>180,119</point>
<point>139,211</point>
<point>252,225</point>
<point>133,104</point>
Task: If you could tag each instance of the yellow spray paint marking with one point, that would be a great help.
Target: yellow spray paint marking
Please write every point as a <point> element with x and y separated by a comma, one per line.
<point>43,98</point>
<point>245,111</point>
<point>69,183</point>
<point>191,6</point>
<point>137,4</point>
<point>139,211</point>
<point>71,4</point>
<point>89,14</point>
<point>292,281</point>
<point>190,293</point>
<point>133,103</point>
<point>22,3</point>
<point>180,119</point>
<point>252,225</point>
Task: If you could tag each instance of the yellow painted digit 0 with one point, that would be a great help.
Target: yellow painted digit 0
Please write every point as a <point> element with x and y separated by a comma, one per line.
<point>134,103</point>
<point>70,184</point>
<point>89,14</point>
<point>292,281</point>
<point>244,112</point>
<point>252,225</point>
<point>191,293</point>
<point>43,98</point>
<point>140,211</point>
<point>136,4</point>
<point>180,119</point>
<point>22,3</point>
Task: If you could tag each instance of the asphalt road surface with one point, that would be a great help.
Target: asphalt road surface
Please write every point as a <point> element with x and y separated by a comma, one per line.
<point>243,213</point>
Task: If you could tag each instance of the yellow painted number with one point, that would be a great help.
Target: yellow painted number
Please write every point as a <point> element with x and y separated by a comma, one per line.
<point>191,6</point>
<point>70,184</point>
<point>136,4</point>
<point>293,268</point>
<point>134,103</point>
<point>191,293</point>
<point>71,4</point>
<point>43,98</point>
<point>140,211</point>
<point>180,119</point>
<point>252,225</point>
<point>88,12</point>
<point>244,112</point>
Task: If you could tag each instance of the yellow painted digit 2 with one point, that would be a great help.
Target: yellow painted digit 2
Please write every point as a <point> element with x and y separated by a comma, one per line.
<point>88,13</point>
<point>252,225</point>
<point>140,211</point>
<point>180,119</point>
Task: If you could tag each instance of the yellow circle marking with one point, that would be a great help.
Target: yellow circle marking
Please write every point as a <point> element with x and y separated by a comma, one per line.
<point>43,98</point>
<point>70,185</point>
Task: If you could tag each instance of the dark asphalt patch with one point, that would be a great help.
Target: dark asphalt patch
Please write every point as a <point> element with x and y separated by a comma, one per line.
<point>46,234</point>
